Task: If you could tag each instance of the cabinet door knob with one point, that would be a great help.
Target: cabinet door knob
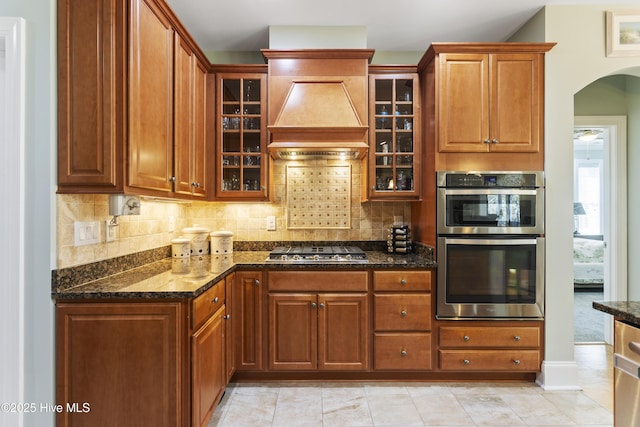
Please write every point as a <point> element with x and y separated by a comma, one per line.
<point>466,338</point>
<point>466,361</point>
<point>516,362</point>
<point>487,141</point>
<point>516,338</point>
<point>494,141</point>
<point>216,299</point>
<point>403,353</point>
<point>321,305</point>
<point>256,282</point>
<point>226,316</point>
<point>403,282</point>
<point>314,305</point>
<point>172,179</point>
<point>403,313</point>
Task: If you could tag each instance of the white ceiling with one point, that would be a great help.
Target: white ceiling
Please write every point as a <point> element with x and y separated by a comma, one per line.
<point>392,25</point>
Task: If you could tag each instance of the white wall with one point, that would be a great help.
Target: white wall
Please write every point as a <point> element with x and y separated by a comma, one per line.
<point>577,60</point>
<point>39,218</point>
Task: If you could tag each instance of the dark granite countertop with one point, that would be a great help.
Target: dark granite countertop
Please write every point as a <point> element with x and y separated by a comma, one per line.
<point>170,278</point>
<point>629,311</point>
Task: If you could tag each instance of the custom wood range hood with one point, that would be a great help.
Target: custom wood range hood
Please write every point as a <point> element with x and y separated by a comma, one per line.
<point>318,102</point>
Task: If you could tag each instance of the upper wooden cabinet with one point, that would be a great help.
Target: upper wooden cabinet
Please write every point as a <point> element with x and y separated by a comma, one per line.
<point>150,98</point>
<point>395,143</point>
<point>485,98</point>
<point>132,100</point>
<point>241,149</point>
<point>490,102</point>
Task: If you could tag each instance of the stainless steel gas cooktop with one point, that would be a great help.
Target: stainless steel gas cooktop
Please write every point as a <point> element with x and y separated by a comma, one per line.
<point>317,254</point>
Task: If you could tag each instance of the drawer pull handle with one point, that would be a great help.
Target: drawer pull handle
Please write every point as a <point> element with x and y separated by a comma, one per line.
<point>403,281</point>
<point>634,346</point>
<point>466,338</point>
<point>403,313</point>
<point>216,299</point>
<point>516,338</point>
<point>516,361</point>
<point>403,353</point>
<point>314,305</point>
<point>466,361</point>
<point>256,282</point>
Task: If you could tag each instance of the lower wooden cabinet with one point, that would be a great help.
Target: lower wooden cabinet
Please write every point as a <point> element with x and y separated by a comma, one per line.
<point>142,362</point>
<point>126,360</point>
<point>208,342</point>
<point>513,346</point>
<point>248,298</point>
<point>402,320</point>
<point>323,326</point>
<point>318,331</point>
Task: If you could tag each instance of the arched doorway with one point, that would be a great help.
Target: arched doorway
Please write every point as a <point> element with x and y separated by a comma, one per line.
<point>600,207</point>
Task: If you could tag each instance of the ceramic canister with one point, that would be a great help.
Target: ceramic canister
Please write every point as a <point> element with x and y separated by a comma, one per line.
<point>221,242</point>
<point>199,237</point>
<point>180,247</point>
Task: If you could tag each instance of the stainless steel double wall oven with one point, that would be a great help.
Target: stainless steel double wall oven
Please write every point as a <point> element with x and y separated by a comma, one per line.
<point>490,245</point>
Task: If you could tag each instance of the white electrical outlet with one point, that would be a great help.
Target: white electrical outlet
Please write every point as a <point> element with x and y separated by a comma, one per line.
<point>110,231</point>
<point>172,223</point>
<point>271,223</point>
<point>86,233</point>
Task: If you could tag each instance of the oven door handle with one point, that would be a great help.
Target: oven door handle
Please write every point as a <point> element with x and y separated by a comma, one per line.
<point>487,191</point>
<point>484,241</point>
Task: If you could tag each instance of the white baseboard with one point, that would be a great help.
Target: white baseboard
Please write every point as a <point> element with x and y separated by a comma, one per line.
<point>559,376</point>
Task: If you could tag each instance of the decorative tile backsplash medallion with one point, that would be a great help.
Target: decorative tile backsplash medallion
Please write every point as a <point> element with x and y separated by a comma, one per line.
<point>318,197</point>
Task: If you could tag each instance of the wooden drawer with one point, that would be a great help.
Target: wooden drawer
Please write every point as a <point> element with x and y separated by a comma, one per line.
<point>402,351</point>
<point>318,281</point>
<point>205,305</point>
<point>402,312</point>
<point>490,336</point>
<point>402,280</point>
<point>490,360</point>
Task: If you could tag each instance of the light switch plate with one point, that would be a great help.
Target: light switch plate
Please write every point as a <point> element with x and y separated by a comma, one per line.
<point>86,233</point>
<point>110,231</point>
<point>271,223</point>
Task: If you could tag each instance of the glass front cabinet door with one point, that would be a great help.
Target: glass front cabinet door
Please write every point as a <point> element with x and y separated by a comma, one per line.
<point>241,144</point>
<point>394,146</point>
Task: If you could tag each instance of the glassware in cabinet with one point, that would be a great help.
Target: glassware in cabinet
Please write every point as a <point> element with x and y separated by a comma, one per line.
<point>394,147</point>
<point>241,149</point>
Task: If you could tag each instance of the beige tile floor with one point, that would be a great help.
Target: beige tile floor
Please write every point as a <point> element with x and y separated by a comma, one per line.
<point>426,404</point>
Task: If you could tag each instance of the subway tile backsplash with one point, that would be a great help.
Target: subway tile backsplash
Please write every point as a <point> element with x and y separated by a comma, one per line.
<point>150,229</point>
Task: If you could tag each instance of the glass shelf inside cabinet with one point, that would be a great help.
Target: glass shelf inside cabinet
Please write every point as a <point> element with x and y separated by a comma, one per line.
<point>394,135</point>
<point>241,146</point>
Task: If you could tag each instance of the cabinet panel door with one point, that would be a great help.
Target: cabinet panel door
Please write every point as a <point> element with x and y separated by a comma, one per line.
<point>343,339</point>
<point>150,98</point>
<point>124,359</point>
<point>230,354</point>
<point>91,90</point>
<point>247,309</point>
<point>293,329</point>
<point>200,160</point>
<point>516,102</point>
<point>207,369</point>
<point>464,103</point>
<point>183,104</point>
